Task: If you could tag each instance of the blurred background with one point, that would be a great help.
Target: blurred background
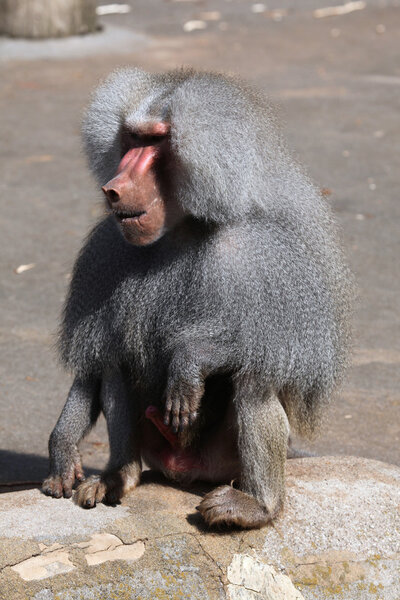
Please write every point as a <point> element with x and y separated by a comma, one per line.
<point>332,68</point>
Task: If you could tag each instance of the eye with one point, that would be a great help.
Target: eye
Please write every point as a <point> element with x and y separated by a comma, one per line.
<point>133,139</point>
<point>151,140</point>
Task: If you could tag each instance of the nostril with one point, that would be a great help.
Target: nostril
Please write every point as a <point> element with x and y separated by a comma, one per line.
<point>111,195</point>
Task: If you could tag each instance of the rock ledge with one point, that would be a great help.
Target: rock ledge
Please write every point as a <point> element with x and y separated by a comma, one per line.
<point>339,537</point>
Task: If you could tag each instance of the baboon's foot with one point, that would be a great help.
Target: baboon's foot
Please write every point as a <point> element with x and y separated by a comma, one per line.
<point>109,487</point>
<point>227,506</point>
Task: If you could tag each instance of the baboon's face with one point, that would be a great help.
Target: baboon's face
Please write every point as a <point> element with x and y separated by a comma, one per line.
<point>138,195</point>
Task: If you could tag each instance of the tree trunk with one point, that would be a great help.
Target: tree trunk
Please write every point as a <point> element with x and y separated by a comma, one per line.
<point>47,18</point>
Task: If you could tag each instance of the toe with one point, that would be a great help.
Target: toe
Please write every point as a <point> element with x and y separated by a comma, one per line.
<point>52,486</point>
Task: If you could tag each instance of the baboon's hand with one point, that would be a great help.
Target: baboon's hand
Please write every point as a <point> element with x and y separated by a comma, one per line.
<point>61,481</point>
<point>182,404</point>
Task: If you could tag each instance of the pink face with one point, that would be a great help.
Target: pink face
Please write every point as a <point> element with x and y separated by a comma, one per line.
<point>135,195</point>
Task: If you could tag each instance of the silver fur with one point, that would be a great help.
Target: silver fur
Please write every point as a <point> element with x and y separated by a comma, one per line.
<point>269,282</point>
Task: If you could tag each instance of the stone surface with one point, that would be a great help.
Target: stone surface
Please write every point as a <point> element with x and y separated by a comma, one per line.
<point>337,82</point>
<point>338,538</point>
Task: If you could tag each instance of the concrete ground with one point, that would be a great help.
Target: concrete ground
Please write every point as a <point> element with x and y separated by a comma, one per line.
<point>337,82</point>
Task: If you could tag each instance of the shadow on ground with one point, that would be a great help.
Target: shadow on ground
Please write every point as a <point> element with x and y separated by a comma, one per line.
<point>28,471</point>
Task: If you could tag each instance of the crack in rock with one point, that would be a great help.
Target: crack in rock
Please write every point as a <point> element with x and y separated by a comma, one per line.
<point>54,559</point>
<point>104,547</point>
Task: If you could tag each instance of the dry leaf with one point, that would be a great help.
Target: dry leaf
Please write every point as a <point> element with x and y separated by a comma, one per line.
<point>39,158</point>
<point>23,268</point>
<point>341,9</point>
<point>258,8</point>
<point>210,15</point>
<point>194,25</point>
<point>113,9</point>
<point>278,14</point>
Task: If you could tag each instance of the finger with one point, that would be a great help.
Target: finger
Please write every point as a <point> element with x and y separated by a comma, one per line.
<point>52,486</point>
<point>183,413</point>
<point>79,474</point>
<point>175,418</point>
<point>193,417</point>
<point>168,408</point>
<point>183,421</point>
<point>67,492</point>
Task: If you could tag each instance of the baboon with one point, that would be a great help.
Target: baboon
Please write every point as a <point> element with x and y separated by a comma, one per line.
<point>209,308</point>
